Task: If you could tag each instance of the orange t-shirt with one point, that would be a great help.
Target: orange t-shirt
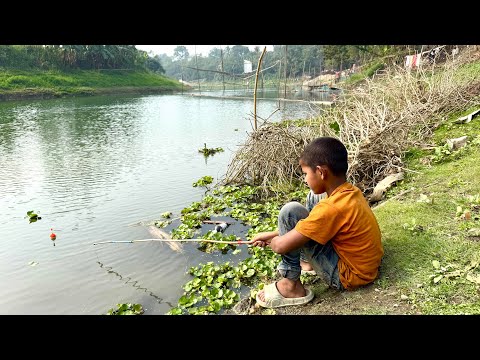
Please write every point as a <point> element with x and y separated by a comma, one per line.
<point>345,218</point>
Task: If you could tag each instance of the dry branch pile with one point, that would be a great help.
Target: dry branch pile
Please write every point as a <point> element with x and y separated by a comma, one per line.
<point>270,156</point>
<point>378,122</point>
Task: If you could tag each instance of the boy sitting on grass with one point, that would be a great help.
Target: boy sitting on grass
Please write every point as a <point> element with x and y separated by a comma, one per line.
<point>338,236</point>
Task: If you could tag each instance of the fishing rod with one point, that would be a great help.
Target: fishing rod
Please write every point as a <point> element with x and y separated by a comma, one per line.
<point>238,242</point>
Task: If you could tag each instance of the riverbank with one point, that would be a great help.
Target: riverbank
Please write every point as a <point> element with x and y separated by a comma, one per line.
<point>42,93</point>
<point>36,84</point>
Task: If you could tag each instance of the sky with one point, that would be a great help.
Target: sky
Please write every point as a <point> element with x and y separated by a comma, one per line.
<point>201,49</point>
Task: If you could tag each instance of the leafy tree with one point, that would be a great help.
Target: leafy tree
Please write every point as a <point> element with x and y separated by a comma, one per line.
<point>215,53</point>
<point>153,64</point>
<point>180,53</point>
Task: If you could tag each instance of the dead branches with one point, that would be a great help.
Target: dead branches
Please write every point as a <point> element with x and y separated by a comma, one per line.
<point>270,156</point>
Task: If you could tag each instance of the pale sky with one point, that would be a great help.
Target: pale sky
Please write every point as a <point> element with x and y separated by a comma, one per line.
<point>201,49</point>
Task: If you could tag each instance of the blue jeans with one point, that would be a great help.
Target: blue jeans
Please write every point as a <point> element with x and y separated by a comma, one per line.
<point>323,258</point>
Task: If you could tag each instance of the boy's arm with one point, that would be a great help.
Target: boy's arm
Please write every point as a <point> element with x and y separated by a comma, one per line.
<point>288,242</point>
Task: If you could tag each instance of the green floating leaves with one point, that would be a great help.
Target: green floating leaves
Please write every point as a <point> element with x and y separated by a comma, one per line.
<point>208,152</point>
<point>162,224</point>
<point>167,214</point>
<point>126,309</point>
<point>32,216</point>
<point>203,181</point>
<point>216,287</point>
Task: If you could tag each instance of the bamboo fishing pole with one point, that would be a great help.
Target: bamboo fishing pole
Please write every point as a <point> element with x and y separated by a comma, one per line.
<point>238,242</point>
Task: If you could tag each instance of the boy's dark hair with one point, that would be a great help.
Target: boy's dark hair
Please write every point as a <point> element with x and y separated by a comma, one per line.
<point>326,151</point>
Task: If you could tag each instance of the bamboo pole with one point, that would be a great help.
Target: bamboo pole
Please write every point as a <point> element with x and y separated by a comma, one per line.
<point>238,242</point>
<point>223,74</point>
<point>285,87</point>
<point>279,79</point>
<point>198,74</point>
<point>255,91</point>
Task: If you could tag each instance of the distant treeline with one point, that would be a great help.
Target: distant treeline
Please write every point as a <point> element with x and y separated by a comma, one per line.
<point>309,60</point>
<point>219,65</point>
<point>83,57</point>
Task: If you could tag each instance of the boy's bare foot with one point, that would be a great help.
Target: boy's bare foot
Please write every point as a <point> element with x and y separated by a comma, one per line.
<point>287,288</point>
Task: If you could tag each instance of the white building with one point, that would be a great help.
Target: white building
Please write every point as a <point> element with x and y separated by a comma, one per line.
<point>247,66</point>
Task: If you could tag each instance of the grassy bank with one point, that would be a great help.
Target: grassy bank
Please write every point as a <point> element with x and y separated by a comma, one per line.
<point>23,84</point>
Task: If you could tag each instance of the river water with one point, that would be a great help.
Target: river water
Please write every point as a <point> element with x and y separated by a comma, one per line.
<point>94,168</point>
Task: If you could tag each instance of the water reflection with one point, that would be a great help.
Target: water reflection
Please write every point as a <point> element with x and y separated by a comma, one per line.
<point>67,146</point>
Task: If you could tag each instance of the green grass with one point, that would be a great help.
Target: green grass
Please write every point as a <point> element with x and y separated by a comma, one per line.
<point>356,78</point>
<point>416,230</point>
<point>451,130</point>
<point>80,81</point>
<point>468,72</point>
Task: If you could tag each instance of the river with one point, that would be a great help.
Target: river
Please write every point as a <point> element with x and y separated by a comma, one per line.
<point>95,167</point>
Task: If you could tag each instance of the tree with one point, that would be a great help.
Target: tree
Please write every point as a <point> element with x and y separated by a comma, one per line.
<point>180,53</point>
<point>215,53</point>
<point>153,64</point>
<point>234,56</point>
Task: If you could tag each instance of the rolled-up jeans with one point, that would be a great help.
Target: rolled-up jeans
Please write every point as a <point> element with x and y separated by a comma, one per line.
<point>323,258</point>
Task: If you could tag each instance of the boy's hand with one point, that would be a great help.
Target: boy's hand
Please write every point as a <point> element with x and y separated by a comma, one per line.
<point>263,239</point>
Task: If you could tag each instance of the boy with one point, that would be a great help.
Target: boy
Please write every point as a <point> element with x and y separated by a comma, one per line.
<point>339,235</point>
